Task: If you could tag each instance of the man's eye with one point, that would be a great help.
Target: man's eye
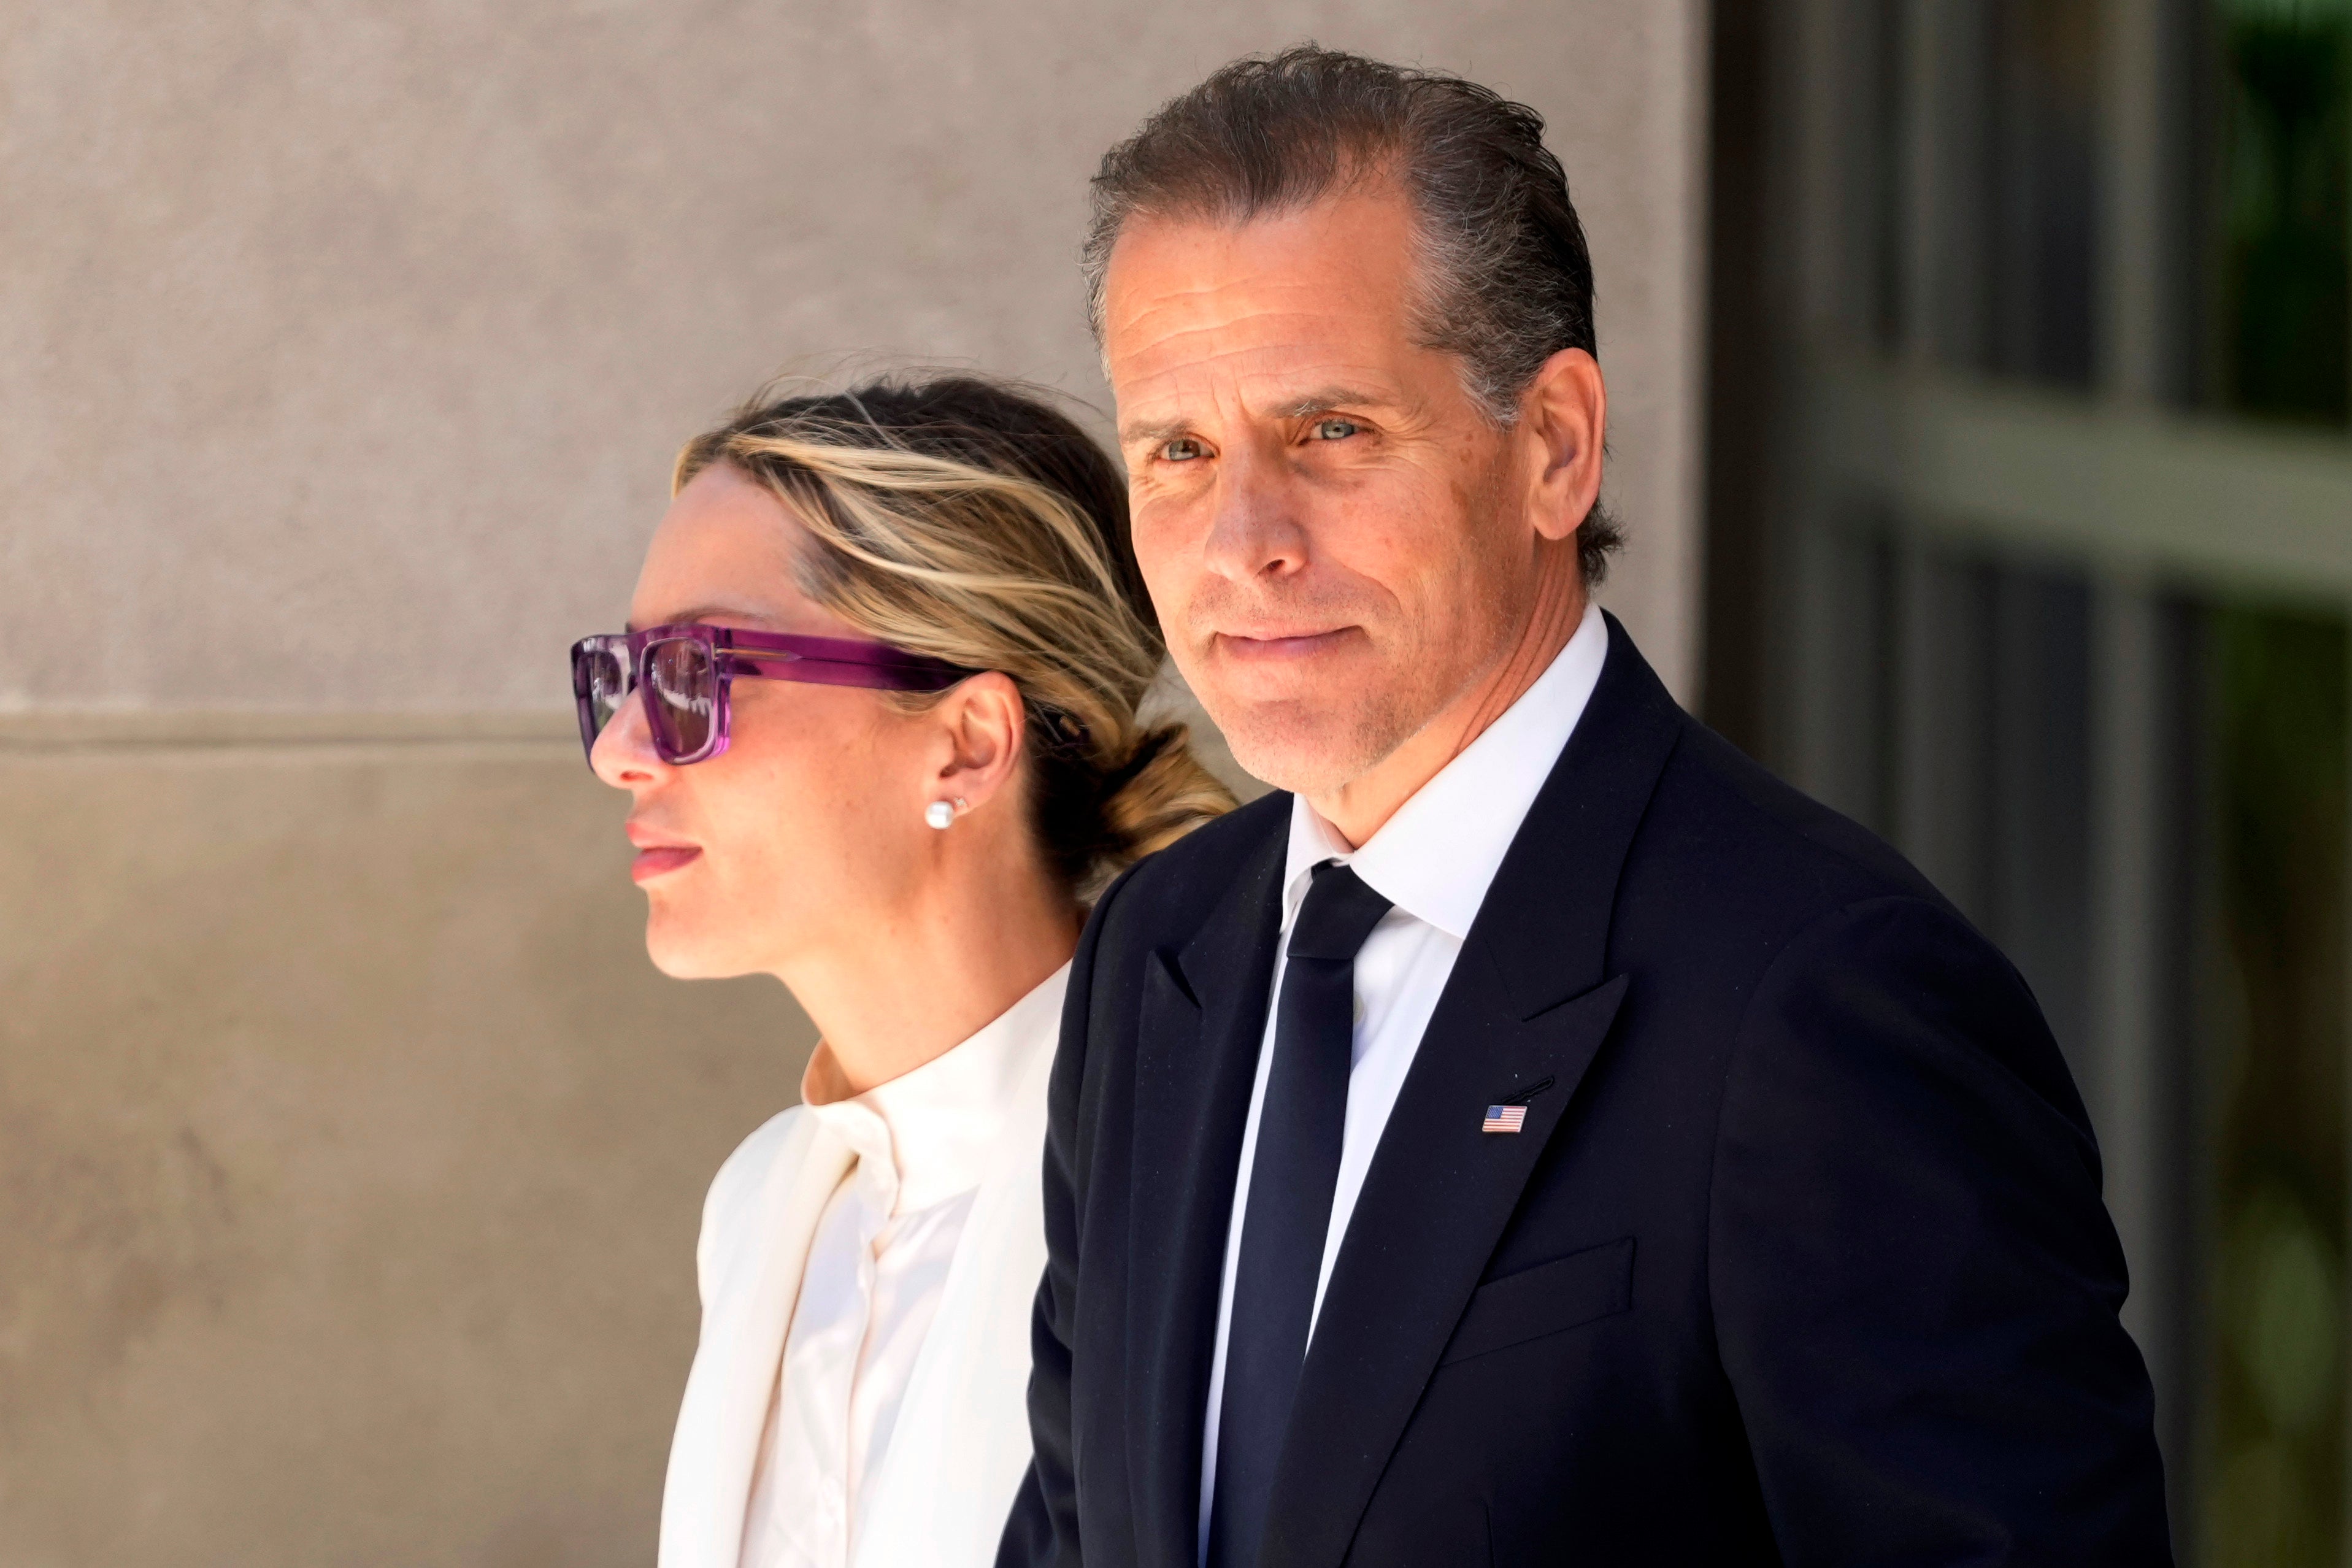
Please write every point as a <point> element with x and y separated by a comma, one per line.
<point>1336,430</point>
<point>1183,449</point>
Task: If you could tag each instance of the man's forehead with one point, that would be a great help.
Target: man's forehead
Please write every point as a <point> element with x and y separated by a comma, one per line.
<point>1265,312</point>
<point>1170,273</point>
<point>1268,383</point>
<point>1353,220</point>
<point>1246,317</point>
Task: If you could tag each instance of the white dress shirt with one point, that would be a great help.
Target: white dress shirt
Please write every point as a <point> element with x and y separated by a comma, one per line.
<point>877,1265</point>
<point>1434,860</point>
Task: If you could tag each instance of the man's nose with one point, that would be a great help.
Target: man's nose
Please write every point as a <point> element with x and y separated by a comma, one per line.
<point>1255,530</point>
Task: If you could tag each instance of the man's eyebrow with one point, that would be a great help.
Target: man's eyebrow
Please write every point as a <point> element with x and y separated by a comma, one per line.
<point>1333,396</point>
<point>1154,430</point>
<point>705,613</point>
<point>1297,407</point>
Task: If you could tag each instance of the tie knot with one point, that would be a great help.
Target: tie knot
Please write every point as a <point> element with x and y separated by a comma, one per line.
<point>1339,913</point>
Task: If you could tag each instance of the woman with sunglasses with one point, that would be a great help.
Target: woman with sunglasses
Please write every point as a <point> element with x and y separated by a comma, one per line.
<point>877,719</point>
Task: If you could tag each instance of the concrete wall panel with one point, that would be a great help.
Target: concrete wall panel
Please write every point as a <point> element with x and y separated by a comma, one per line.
<point>331,333</point>
<point>350,1152</point>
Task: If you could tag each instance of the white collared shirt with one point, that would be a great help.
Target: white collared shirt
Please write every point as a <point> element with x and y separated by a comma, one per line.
<point>876,1269</point>
<point>1434,860</point>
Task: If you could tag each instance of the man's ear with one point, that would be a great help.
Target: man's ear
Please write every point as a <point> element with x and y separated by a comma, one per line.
<point>984,726</point>
<point>1564,417</point>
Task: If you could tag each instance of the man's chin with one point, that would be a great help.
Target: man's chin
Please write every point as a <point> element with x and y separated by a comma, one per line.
<point>1309,755</point>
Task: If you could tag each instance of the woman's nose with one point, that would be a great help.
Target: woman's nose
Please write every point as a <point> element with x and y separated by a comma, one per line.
<point>624,755</point>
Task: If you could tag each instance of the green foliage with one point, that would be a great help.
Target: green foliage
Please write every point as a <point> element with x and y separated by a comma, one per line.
<point>2287,273</point>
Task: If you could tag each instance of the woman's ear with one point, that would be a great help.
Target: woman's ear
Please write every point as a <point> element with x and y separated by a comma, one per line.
<point>984,726</point>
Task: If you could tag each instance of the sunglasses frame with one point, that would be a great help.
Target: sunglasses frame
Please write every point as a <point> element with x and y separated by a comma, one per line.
<point>767,656</point>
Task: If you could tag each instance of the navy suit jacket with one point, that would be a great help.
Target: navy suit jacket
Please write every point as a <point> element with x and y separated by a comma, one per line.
<point>1800,1256</point>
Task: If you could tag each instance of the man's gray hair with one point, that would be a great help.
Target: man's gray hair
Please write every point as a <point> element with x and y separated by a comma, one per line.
<point>1505,281</point>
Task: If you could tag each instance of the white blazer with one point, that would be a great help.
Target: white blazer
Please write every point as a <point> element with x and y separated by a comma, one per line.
<point>961,1443</point>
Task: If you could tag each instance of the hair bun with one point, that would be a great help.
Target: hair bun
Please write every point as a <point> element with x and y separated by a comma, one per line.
<point>971,522</point>
<point>1160,793</point>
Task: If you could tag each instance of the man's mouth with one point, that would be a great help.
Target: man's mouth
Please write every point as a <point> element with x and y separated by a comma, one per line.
<point>1276,647</point>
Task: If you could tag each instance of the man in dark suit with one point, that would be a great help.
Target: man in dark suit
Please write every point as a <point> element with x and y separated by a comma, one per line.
<point>1540,1136</point>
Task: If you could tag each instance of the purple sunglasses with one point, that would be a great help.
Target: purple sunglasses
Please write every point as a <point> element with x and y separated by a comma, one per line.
<point>685,672</point>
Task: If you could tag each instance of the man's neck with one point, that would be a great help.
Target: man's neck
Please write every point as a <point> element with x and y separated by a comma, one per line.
<point>1359,808</point>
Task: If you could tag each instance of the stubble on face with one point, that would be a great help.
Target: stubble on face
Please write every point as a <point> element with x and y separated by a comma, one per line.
<point>1413,653</point>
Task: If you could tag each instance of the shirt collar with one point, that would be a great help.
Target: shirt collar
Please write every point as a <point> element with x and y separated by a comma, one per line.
<point>1436,857</point>
<point>927,1135</point>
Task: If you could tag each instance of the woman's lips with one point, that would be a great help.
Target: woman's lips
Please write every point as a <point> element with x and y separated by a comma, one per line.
<point>661,860</point>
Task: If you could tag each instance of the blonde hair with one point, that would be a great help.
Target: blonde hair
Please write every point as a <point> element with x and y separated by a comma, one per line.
<point>968,520</point>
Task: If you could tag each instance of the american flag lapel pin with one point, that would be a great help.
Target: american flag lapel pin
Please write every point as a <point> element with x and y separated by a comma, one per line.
<point>1512,1115</point>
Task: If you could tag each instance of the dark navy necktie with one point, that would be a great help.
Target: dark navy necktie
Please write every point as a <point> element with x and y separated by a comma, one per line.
<point>1292,1176</point>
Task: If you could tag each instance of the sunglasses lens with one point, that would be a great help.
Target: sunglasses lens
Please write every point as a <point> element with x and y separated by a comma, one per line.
<point>684,686</point>
<point>599,680</point>
<point>603,680</point>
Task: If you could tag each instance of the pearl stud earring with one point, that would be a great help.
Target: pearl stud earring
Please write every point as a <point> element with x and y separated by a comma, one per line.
<point>939,814</point>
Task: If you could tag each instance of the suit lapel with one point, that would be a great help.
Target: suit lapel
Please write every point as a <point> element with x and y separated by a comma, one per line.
<point>1435,1201</point>
<point>1528,999</point>
<point>1203,1016</point>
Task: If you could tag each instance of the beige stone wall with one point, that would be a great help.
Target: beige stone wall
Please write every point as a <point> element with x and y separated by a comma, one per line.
<point>350,1154</point>
<point>328,332</point>
<point>349,1150</point>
